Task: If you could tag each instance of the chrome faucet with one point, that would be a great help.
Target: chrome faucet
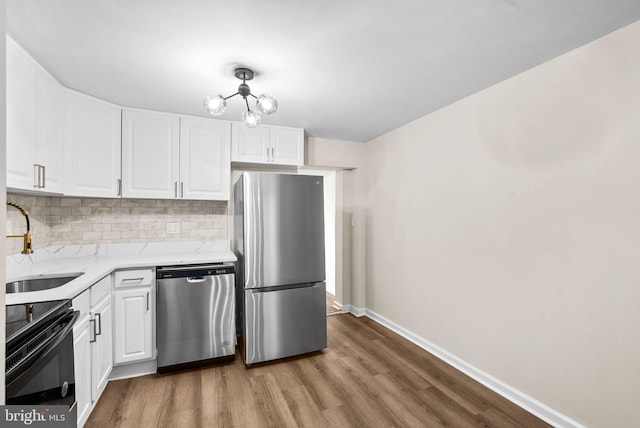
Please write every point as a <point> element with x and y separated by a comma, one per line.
<point>27,236</point>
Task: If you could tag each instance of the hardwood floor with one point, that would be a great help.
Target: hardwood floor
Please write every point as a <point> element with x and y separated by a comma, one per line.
<point>367,377</point>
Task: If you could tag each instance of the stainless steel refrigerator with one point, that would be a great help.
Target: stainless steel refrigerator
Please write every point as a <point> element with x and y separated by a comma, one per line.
<point>279,242</point>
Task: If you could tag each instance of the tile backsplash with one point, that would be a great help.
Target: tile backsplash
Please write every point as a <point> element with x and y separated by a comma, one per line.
<point>57,220</point>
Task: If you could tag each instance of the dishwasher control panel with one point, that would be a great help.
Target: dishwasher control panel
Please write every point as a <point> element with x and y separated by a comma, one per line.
<point>194,270</point>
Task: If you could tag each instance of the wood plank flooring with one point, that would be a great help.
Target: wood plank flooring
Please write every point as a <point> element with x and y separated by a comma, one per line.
<point>367,377</point>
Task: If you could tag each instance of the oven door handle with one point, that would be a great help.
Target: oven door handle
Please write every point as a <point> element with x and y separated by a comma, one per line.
<point>44,348</point>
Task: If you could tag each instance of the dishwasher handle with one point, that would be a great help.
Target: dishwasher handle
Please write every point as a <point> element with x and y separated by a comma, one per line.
<point>196,279</point>
<point>194,271</point>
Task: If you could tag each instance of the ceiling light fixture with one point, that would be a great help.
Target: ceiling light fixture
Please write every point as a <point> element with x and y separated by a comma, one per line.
<point>265,103</point>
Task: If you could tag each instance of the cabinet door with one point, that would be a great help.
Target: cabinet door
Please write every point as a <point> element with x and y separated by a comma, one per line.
<point>249,144</point>
<point>21,117</point>
<point>287,145</point>
<point>50,131</point>
<point>205,165</point>
<point>150,151</point>
<point>92,146</point>
<point>82,364</point>
<point>101,347</point>
<point>133,325</point>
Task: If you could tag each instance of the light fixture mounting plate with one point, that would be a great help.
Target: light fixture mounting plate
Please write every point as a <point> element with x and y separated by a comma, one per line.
<point>243,73</point>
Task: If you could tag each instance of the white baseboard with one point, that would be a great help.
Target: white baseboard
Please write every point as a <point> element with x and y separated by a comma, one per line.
<point>519,398</point>
<point>359,312</point>
<point>127,371</point>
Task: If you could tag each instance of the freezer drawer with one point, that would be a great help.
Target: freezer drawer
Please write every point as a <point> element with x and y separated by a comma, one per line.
<point>284,322</point>
<point>195,318</point>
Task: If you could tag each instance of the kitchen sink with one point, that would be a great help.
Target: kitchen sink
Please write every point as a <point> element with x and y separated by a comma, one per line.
<point>42,282</point>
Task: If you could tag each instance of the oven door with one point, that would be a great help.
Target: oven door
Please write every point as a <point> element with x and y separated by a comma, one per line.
<point>40,370</point>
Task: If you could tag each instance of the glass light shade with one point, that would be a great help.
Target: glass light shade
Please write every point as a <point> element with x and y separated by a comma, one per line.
<point>267,104</point>
<point>251,118</point>
<point>215,105</point>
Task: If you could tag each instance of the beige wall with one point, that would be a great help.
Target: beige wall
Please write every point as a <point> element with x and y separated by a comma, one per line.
<point>65,220</point>
<point>513,218</point>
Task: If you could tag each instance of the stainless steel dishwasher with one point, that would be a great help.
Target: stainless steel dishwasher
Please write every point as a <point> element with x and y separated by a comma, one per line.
<point>195,315</point>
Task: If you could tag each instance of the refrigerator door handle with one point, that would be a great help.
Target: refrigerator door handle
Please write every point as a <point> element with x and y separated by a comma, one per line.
<point>286,287</point>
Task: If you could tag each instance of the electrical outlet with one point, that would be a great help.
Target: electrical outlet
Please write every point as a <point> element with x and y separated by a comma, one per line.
<point>173,227</point>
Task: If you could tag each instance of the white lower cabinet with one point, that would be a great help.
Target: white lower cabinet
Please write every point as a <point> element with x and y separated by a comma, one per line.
<point>82,362</point>
<point>93,345</point>
<point>132,335</point>
<point>101,346</point>
<point>133,299</point>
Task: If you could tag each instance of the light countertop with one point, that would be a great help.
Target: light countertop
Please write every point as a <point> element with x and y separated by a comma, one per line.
<point>99,260</point>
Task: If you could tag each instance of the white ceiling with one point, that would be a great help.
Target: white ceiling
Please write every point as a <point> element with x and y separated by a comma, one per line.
<point>342,69</point>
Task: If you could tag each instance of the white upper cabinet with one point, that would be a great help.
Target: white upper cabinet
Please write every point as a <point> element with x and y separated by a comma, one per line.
<point>50,132</point>
<point>63,141</point>
<point>205,164</point>
<point>167,156</point>
<point>21,117</point>
<point>274,145</point>
<point>249,144</point>
<point>35,158</point>
<point>287,145</point>
<point>92,146</point>
<point>150,154</point>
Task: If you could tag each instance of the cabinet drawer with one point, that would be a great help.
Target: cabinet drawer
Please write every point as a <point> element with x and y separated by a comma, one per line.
<point>100,290</point>
<point>133,278</point>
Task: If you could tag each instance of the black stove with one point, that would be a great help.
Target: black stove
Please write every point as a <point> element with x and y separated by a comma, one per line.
<point>23,317</point>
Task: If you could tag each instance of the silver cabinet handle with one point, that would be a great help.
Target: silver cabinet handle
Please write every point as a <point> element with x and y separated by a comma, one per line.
<point>94,331</point>
<point>175,188</point>
<point>273,157</point>
<point>133,279</point>
<point>36,176</point>
<point>119,186</point>
<point>268,152</point>
<point>147,300</point>
<point>99,317</point>
<point>44,180</point>
<point>182,189</point>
